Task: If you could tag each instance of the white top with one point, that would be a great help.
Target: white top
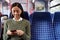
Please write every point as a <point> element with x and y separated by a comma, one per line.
<point>20,19</point>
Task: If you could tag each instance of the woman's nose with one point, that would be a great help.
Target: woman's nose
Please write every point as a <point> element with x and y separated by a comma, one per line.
<point>15,13</point>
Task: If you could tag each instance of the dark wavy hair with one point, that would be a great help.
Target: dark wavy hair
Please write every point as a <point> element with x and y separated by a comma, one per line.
<point>19,6</point>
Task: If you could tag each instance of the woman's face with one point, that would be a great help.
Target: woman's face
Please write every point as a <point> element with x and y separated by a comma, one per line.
<point>16,11</point>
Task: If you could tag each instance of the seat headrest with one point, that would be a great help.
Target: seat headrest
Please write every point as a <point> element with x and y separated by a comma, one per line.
<point>25,15</point>
<point>41,16</point>
<point>57,16</point>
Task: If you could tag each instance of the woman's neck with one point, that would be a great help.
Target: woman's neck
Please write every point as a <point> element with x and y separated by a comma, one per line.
<point>17,18</point>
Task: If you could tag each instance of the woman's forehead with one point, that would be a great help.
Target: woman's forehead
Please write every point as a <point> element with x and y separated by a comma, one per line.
<point>15,8</point>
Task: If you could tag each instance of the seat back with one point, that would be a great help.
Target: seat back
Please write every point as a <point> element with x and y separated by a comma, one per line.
<point>56,25</point>
<point>41,26</point>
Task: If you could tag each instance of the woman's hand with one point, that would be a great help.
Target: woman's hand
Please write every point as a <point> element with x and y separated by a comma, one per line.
<point>10,33</point>
<point>19,32</point>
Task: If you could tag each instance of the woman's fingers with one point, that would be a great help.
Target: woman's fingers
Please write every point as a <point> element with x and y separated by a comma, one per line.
<point>20,32</point>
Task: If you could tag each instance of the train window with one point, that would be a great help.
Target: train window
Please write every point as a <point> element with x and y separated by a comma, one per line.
<point>54,6</point>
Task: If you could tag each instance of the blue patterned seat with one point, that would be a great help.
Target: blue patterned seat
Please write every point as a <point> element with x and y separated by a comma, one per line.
<point>41,26</point>
<point>57,25</point>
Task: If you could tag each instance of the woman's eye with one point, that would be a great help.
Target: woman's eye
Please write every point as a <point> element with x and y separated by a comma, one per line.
<point>14,11</point>
<point>17,11</point>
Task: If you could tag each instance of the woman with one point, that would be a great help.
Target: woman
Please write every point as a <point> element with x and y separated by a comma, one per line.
<point>17,28</point>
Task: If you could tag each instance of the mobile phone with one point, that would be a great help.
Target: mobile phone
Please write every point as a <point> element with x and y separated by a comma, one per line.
<point>13,30</point>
